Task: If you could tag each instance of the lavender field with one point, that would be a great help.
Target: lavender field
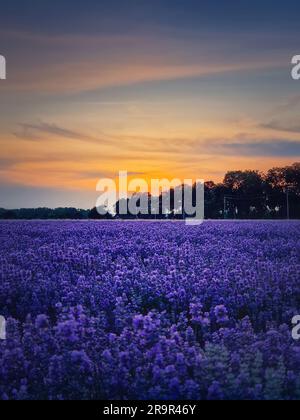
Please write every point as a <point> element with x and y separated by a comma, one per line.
<point>149,310</point>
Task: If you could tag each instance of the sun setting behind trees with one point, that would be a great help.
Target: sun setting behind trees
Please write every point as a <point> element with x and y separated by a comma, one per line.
<point>168,97</point>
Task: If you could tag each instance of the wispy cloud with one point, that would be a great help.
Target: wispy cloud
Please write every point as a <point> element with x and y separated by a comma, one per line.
<point>75,63</point>
<point>287,105</point>
<point>28,131</point>
<point>257,148</point>
<point>284,117</point>
<point>34,131</point>
<point>291,126</point>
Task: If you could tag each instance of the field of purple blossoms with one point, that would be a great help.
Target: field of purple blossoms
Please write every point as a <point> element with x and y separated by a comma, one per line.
<point>149,310</point>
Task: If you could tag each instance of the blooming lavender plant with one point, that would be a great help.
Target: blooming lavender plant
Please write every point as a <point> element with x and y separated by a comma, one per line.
<point>149,310</point>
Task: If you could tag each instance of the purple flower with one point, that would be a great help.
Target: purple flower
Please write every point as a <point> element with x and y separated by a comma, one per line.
<point>149,310</point>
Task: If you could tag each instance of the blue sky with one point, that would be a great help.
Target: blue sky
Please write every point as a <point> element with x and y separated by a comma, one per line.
<point>94,15</point>
<point>167,88</point>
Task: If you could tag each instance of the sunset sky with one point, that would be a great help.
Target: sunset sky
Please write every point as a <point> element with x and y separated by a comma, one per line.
<point>160,88</point>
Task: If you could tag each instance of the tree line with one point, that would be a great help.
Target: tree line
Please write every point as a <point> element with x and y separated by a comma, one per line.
<point>241,195</point>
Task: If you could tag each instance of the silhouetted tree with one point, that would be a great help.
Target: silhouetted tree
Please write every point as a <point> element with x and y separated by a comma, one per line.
<point>95,215</point>
<point>249,194</point>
